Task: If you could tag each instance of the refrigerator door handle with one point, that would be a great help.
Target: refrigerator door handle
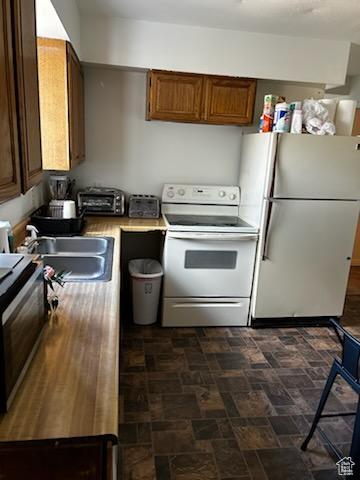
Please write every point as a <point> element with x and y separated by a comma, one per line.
<point>274,167</point>
<point>265,255</point>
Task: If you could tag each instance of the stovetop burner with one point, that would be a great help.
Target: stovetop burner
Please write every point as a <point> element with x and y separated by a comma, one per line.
<point>203,209</point>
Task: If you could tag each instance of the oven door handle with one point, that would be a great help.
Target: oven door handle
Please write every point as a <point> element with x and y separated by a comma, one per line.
<point>209,304</point>
<point>242,237</point>
<point>24,292</point>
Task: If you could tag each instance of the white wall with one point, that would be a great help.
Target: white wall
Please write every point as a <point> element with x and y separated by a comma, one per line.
<point>124,150</point>
<point>69,15</point>
<point>143,44</point>
<point>352,90</point>
<point>19,208</point>
<point>355,88</point>
<point>354,60</point>
<point>291,91</point>
<point>48,23</point>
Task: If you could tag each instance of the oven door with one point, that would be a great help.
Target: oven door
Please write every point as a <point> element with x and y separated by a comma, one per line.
<point>209,264</point>
<point>22,323</point>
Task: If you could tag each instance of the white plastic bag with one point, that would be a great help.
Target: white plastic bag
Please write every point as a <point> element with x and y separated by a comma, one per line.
<point>313,125</point>
<point>316,118</point>
<point>328,128</point>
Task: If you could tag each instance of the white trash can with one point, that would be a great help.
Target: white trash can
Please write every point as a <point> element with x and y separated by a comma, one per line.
<point>146,275</point>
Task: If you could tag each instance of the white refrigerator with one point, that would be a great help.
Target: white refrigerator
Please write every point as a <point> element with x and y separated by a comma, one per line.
<point>302,192</point>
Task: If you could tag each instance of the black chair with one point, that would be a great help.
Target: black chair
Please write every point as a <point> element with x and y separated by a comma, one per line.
<point>348,369</point>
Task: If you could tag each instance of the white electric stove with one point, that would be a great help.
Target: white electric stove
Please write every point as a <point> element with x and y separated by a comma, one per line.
<point>208,259</point>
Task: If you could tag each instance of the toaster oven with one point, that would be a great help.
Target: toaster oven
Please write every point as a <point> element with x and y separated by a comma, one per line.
<point>102,201</point>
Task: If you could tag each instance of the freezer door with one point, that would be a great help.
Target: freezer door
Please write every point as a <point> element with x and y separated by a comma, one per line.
<point>304,259</point>
<point>313,166</point>
<point>256,165</point>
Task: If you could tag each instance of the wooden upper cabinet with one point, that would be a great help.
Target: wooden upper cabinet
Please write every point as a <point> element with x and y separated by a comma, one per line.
<point>75,81</point>
<point>81,116</point>
<point>229,100</point>
<point>73,99</point>
<point>175,96</point>
<point>76,107</point>
<point>61,85</point>
<point>187,97</point>
<point>27,92</point>
<point>10,183</point>
<point>356,125</point>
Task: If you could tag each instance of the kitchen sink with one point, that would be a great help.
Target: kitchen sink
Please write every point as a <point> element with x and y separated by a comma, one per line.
<point>87,259</point>
<point>80,268</point>
<point>71,245</point>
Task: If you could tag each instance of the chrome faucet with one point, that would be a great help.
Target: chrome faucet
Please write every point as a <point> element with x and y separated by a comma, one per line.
<point>33,231</point>
<point>35,241</point>
<point>38,240</point>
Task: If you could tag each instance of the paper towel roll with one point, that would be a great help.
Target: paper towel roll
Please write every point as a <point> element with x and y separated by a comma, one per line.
<point>330,104</point>
<point>69,210</point>
<point>344,118</point>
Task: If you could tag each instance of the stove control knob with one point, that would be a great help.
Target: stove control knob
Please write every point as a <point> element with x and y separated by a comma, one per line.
<point>181,192</point>
<point>232,196</point>
<point>170,194</point>
<point>222,193</point>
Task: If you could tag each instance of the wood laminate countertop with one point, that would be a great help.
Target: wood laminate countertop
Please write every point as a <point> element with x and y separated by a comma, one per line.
<point>127,224</point>
<point>71,387</point>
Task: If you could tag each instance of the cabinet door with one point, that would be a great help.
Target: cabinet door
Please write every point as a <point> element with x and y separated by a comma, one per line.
<point>61,459</point>
<point>229,100</point>
<point>9,155</point>
<point>27,92</point>
<point>54,117</point>
<point>73,100</point>
<point>356,252</point>
<point>81,116</point>
<point>356,126</point>
<point>355,259</point>
<point>175,96</point>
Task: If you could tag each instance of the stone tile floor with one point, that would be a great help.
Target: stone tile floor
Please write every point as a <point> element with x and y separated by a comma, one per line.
<point>230,403</point>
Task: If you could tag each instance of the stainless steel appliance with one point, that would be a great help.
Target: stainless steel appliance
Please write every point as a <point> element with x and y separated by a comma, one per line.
<point>60,188</point>
<point>302,192</point>
<point>102,201</point>
<point>22,312</point>
<point>144,206</point>
<point>208,258</point>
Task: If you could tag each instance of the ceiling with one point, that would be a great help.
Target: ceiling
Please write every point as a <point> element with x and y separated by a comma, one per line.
<point>335,19</point>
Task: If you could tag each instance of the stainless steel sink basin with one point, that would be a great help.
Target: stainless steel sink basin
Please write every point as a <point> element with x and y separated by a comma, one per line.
<point>87,259</point>
<point>80,268</point>
<point>71,245</point>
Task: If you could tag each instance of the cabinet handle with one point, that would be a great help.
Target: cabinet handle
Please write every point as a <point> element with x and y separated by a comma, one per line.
<point>271,200</point>
<point>273,173</point>
<point>266,234</point>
